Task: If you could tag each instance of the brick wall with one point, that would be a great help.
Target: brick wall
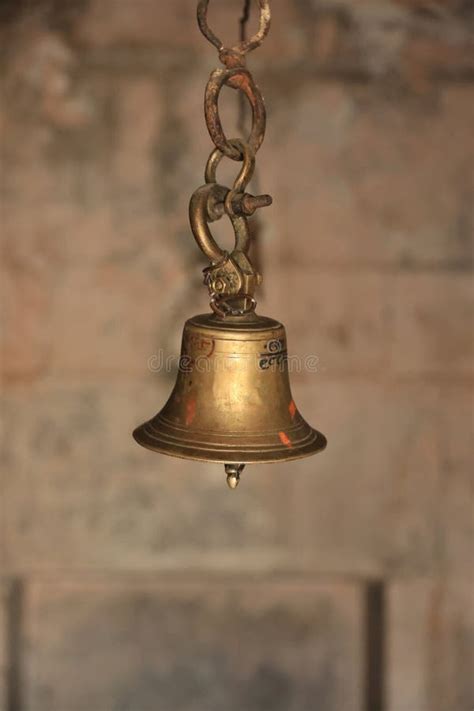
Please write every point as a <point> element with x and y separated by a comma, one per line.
<point>132,582</point>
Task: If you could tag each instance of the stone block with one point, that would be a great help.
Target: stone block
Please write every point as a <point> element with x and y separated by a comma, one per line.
<point>359,178</point>
<point>369,504</point>
<point>396,41</point>
<point>337,320</point>
<point>429,645</point>
<point>455,437</point>
<point>369,322</point>
<point>194,646</point>
<point>432,317</point>
<point>26,303</point>
<point>108,320</point>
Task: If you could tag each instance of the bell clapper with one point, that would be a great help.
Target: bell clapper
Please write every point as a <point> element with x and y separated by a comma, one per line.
<point>233,474</point>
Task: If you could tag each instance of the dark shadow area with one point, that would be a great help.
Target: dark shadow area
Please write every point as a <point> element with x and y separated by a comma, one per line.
<point>375,646</point>
<point>14,635</point>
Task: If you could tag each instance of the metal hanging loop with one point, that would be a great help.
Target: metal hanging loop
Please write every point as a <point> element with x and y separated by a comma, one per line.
<point>246,172</point>
<point>242,48</point>
<point>241,79</point>
<point>237,78</point>
<point>202,211</point>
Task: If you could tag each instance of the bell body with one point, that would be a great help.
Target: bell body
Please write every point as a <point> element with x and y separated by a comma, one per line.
<point>232,401</point>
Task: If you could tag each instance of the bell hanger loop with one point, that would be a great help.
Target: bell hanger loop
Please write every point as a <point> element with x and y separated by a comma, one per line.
<point>231,278</point>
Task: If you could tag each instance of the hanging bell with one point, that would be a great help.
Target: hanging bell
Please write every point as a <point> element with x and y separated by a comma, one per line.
<point>232,401</point>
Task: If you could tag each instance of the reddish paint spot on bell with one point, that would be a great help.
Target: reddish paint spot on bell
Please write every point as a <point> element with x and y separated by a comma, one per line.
<point>190,411</point>
<point>284,439</point>
<point>292,409</point>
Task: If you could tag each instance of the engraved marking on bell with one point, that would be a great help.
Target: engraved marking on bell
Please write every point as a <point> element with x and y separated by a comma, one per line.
<point>284,439</point>
<point>276,354</point>
<point>292,409</point>
<point>197,343</point>
<point>276,345</point>
<point>190,411</point>
<point>233,474</point>
<point>266,361</point>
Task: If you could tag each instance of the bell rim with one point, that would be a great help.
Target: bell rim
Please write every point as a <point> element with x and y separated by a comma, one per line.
<point>317,443</point>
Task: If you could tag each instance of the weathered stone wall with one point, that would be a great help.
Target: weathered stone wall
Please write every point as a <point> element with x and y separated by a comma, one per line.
<point>132,582</point>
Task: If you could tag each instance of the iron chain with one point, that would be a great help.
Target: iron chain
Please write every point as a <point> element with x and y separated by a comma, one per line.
<point>231,278</point>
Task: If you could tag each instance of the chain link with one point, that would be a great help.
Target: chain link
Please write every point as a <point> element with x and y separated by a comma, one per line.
<point>237,78</point>
<point>244,46</point>
<point>231,278</point>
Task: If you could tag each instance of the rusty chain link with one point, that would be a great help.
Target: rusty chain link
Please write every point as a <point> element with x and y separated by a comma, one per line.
<point>231,278</point>
<point>237,78</point>
<point>244,46</point>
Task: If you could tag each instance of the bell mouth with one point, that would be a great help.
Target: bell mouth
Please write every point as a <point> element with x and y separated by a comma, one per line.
<point>264,448</point>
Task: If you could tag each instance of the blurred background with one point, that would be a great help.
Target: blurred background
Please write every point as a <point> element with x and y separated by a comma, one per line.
<point>133,582</point>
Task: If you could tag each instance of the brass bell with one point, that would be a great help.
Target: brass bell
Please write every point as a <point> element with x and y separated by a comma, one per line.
<point>232,401</point>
